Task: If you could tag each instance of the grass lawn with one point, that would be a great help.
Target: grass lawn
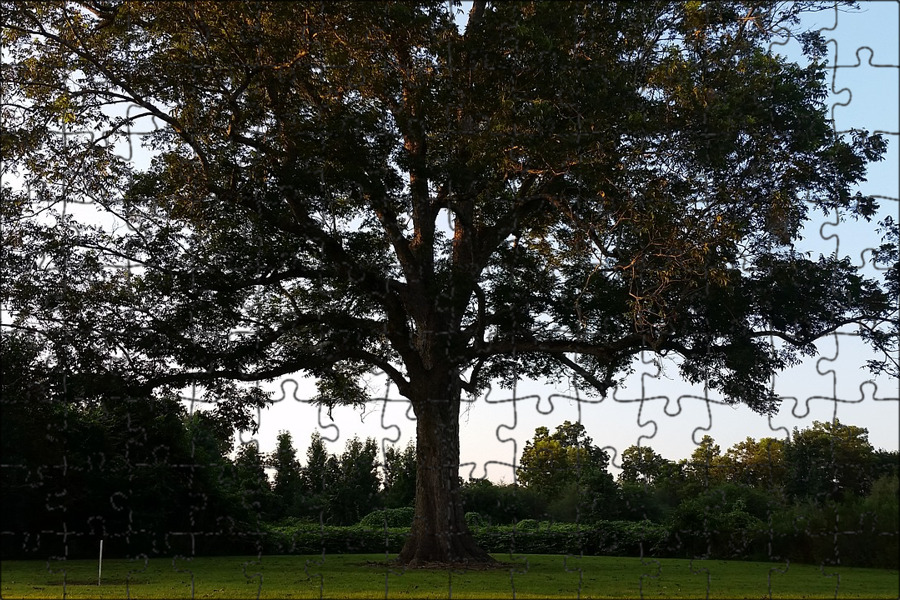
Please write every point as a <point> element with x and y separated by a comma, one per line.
<point>368,576</point>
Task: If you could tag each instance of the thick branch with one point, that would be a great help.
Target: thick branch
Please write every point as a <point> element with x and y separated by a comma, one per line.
<point>602,386</point>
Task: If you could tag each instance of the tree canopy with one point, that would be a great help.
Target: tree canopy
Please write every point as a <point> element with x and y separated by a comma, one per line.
<point>344,187</point>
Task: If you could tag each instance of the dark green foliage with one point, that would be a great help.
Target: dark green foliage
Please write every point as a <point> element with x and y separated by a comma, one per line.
<point>318,476</point>
<point>315,472</point>
<point>501,504</point>
<point>569,473</point>
<point>619,538</point>
<point>288,484</point>
<point>855,532</point>
<point>389,517</point>
<point>638,502</point>
<point>474,520</point>
<point>828,461</point>
<point>252,483</point>
<point>110,468</point>
<point>355,490</point>
<point>399,476</point>
<point>886,463</point>
<point>332,539</point>
<point>724,521</point>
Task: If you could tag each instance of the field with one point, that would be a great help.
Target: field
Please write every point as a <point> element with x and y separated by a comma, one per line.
<point>370,576</point>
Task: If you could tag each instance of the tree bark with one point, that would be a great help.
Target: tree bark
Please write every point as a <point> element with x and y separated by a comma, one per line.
<point>439,533</point>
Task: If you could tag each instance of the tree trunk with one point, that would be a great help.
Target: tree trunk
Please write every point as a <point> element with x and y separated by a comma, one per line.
<point>439,533</point>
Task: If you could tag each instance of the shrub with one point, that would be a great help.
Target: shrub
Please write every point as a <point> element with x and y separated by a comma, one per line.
<point>711,527</point>
<point>501,503</point>
<point>474,520</point>
<point>389,517</point>
<point>355,539</point>
<point>617,538</point>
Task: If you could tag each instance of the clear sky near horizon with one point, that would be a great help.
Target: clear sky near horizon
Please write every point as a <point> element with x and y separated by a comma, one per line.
<point>655,408</point>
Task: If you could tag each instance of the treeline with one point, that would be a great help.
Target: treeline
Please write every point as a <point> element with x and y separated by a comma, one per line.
<point>148,477</point>
<point>328,489</point>
<point>828,462</point>
<point>825,495</point>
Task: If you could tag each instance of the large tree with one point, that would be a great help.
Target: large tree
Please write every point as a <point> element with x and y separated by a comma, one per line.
<point>338,188</point>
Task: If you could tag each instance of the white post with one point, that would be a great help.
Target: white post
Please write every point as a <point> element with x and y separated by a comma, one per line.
<point>100,567</point>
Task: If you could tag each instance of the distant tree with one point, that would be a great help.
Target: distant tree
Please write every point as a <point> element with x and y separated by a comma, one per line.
<point>828,461</point>
<point>706,468</point>
<point>355,492</point>
<point>340,188</point>
<point>288,482</point>
<point>252,482</point>
<point>315,471</point>
<point>755,463</point>
<point>544,466</point>
<point>399,476</point>
<point>887,462</point>
<point>568,471</point>
<point>640,464</point>
<point>316,477</point>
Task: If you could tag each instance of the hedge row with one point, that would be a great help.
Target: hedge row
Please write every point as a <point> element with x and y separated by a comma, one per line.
<point>611,538</point>
<point>798,539</point>
<point>618,538</point>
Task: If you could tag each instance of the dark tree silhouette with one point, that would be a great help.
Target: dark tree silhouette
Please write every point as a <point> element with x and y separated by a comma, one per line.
<point>339,188</point>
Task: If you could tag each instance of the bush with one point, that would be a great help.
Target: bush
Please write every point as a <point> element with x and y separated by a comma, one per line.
<point>389,517</point>
<point>355,539</point>
<point>856,532</point>
<point>625,538</point>
<point>474,520</point>
<point>615,538</point>
<point>528,525</point>
<point>710,527</point>
<point>804,534</point>
<point>499,503</point>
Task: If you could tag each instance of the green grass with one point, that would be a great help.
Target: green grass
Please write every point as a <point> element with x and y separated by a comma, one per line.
<point>368,576</point>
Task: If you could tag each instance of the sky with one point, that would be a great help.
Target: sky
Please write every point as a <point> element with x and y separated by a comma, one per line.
<point>656,408</point>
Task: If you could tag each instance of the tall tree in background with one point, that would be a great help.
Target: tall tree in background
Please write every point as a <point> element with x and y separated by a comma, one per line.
<point>399,476</point>
<point>252,482</point>
<point>640,464</point>
<point>757,463</point>
<point>315,473</point>
<point>568,471</point>
<point>339,188</point>
<point>828,461</point>
<point>355,492</point>
<point>288,483</point>
<point>705,468</point>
